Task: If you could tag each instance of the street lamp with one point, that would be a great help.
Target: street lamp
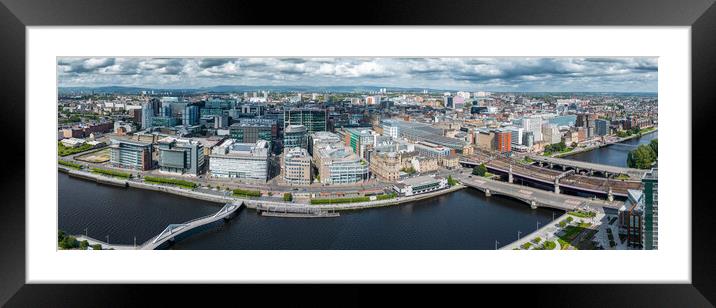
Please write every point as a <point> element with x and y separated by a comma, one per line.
<point>518,235</point>
<point>496,242</point>
<point>537,225</point>
<point>108,239</point>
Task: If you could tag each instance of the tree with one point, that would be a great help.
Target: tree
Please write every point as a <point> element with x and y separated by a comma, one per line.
<point>288,197</point>
<point>451,181</point>
<point>642,157</point>
<point>84,244</point>
<point>97,247</point>
<point>654,144</point>
<point>69,242</point>
<point>479,170</point>
<point>574,144</point>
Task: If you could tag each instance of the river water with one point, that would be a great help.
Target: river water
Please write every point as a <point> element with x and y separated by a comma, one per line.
<point>465,219</point>
<point>615,154</point>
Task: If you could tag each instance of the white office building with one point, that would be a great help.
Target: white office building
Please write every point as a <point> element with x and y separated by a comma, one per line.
<point>533,124</point>
<point>240,160</point>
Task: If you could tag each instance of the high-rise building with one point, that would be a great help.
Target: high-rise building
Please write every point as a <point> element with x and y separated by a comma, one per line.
<point>586,120</point>
<point>359,140</point>
<point>295,136</point>
<point>251,132</point>
<point>341,166</point>
<point>601,127</point>
<point>191,115</point>
<point>503,141</point>
<point>631,219</point>
<point>448,101</point>
<point>296,166</point>
<point>651,210</point>
<point>534,125</point>
<point>130,154</point>
<point>314,119</point>
<point>147,114</point>
<point>183,156</point>
<point>516,134</point>
<point>550,133</point>
<point>528,139</point>
<point>390,128</point>
<point>240,160</point>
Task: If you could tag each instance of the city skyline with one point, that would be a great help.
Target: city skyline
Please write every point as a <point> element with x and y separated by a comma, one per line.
<point>518,74</point>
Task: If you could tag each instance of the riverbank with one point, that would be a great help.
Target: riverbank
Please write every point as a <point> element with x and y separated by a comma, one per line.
<point>250,203</point>
<point>594,147</point>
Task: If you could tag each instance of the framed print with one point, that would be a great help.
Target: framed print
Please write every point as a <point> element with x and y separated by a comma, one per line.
<point>464,143</point>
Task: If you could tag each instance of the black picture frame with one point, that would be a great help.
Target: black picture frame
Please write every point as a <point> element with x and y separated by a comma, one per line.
<point>16,15</point>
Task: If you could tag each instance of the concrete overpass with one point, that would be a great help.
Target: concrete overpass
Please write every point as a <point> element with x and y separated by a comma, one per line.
<point>606,170</point>
<point>533,196</point>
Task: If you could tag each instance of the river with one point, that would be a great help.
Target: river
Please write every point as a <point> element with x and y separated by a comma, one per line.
<point>615,154</point>
<point>465,219</point>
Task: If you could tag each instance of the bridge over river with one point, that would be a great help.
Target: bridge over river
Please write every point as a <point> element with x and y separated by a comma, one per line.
<point>557,179</point>
<point>533,196</point>
<point>605,170</point>
<point>172,231</point>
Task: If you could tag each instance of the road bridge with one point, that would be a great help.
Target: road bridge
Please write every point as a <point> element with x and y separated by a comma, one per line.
<point>556,179</point>
<point>533,196</point>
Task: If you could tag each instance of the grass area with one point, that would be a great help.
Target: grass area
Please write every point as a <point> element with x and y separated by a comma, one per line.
<point>565,245</point>
<point>622,177</point>
<point>180,183</point>
<point>386,196</point>
<point>248,193</point>
<point>571,232</point>
<point>582,214</point>
<point>566,150</point>
<point>352,199</point>
<point>488,175</point>
<point>339,200</point>
<point>70,164</point>
<point>124,175</point>
<point>62,150</point>
<point>549,245</point>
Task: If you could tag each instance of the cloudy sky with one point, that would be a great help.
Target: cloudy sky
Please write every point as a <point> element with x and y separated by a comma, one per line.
<point>490,74</point>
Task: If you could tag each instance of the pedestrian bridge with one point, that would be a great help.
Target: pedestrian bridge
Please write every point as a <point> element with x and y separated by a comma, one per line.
<point>173,230</point>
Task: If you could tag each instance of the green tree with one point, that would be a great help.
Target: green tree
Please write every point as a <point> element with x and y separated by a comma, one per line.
<point>642,157</point>
<point>479,170</point>
<point>69,242</point>
<point>451,181</point>
<point>84,244</point>
<point>288,197</point>
<point>97,247</point>
<point>654,144</point>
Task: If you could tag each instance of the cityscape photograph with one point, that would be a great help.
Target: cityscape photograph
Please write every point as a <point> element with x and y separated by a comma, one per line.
<point>357,153</point>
